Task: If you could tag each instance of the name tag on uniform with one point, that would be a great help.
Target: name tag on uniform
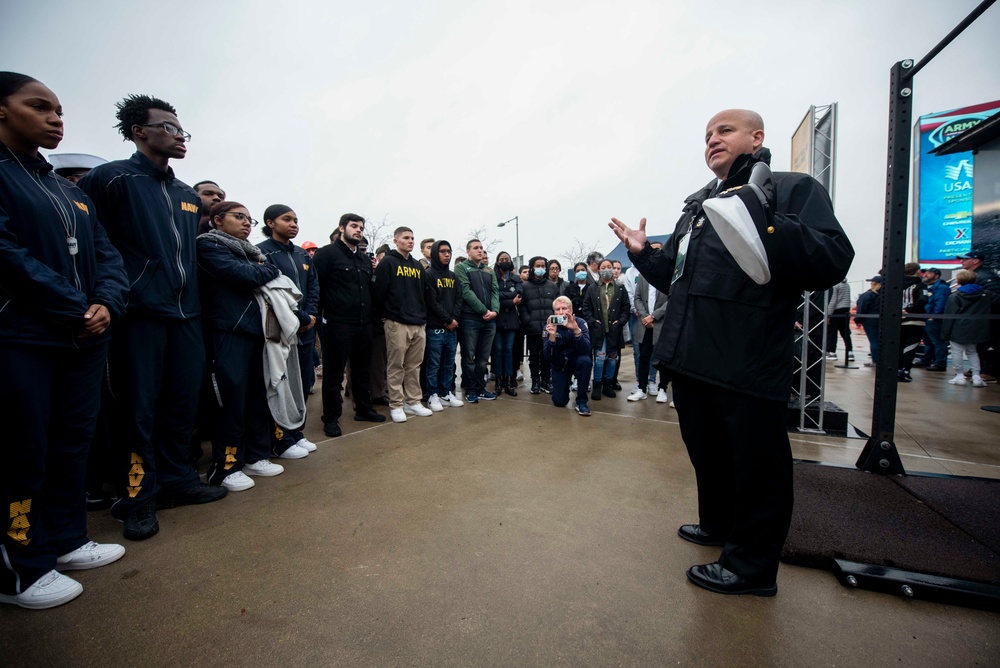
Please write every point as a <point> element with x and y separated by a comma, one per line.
<point>682,249</point>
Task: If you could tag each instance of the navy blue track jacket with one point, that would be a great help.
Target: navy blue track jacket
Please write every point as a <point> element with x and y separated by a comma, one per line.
<point>228,284</point>
<point>44,291</point>
<point>296,264</point>
<point>152,219</point>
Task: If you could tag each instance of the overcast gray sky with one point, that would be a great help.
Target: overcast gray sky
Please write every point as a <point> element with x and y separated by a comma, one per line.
<point>446,116</point>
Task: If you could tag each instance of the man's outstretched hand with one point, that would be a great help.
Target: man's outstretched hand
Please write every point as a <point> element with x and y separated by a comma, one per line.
<point>634,240</point>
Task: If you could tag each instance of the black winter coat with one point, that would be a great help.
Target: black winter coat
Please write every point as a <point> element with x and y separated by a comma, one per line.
<point>508,317</point>
<point>345,280</point>
<point>972,302</point>
<point>536,307</point>
<point>228,283</point>
<point>618,313</point>
<point>723,328</point>
<point>575,292</point>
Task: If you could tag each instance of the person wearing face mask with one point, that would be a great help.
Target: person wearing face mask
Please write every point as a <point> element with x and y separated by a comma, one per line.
<point>606,309</point>
<point>524,271</point>
<point>578,288</point>
<point>537,297</point>
<point>231,269</point>
<point>61,286</point>
<point>508,323</point>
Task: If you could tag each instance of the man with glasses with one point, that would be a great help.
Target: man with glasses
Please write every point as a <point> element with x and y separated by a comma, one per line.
<point>157,358</point>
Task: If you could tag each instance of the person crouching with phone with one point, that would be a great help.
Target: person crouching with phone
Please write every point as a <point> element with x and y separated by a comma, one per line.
<point>566,346</point>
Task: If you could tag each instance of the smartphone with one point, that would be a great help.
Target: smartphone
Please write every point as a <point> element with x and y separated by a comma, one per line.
<point>557,320</point>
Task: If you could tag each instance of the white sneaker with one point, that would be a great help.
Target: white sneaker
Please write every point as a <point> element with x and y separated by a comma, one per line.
<point>977,381</point>
<point>661,396</point>
<point>397,415</point>
<point>959,379</point>
<point>638,395</point>
<point>306,444</point>
<point>435,403</point>
<point>831,356</point>
<point>417,409</point>
<point>294,452</point>
<point>652,388</point>
<point>520,376</point>
<point>48,591</point>
<point>264,468</point>
<point>91,555</point>
<point>237,482</point>
<point>572,388</point>
<point>453,401</point>
<point>671,404</point>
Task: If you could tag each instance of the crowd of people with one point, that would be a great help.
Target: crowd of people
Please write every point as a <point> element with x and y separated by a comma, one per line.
<point>215,338</point>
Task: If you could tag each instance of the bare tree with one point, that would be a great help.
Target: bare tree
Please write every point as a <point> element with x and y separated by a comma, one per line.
<point>578,252</point>
<point>378,232</point>
<point>489,242</point>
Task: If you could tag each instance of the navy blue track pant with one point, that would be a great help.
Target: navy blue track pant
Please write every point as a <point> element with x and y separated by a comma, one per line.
<point>50,398</point>
<point>156,366</point>
<point>561,379</point>
<point>236,379</point>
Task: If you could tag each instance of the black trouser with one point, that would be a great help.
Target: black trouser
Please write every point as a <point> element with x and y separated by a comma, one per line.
<point>236,376</point>
<point>645,357</point>
<point>743,463</point>
<point>909,341</point>
<point>49,401</point>
<point>840,323</point>
<point>539,366</point>
<point>156,367</point>
<point>286,438</point>
<point>343,343</point>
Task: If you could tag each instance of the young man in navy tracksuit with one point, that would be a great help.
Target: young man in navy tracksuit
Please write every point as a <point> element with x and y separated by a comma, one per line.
<point>281,225</point>
<point>157,357</point>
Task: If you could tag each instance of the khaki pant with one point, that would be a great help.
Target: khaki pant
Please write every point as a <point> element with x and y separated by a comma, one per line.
<point>404,345</point>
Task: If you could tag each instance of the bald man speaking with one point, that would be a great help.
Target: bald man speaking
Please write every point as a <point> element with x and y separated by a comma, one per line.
<point>745,248</point>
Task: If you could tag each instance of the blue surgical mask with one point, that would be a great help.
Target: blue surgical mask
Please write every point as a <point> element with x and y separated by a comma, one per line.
<point>540,271</point>
<point>581,275</point>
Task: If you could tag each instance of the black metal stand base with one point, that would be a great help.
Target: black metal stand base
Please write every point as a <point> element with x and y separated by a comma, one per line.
<point>918,585</point>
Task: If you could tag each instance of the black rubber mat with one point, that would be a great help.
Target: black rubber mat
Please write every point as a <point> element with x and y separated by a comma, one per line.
<point>940,526</point>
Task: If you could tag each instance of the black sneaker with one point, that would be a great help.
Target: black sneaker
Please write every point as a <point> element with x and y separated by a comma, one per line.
<point>536,387</point>
<point>98,501</point>
<point>903,377</point>
<point>332,429</point>
<point>200,493</point>
<point>486,395</point>
<point>547,386</point>
<point>140,522</point>
<point>370,416</point>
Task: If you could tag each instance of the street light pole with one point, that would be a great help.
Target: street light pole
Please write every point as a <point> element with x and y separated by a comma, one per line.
<point>517,234</point>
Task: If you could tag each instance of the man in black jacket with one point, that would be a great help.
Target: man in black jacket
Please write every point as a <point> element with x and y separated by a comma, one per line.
<point>157,358</point>
<point>536,307</point>
<point>398,295</point>
<point>345,277</point>
<point>735,268</point>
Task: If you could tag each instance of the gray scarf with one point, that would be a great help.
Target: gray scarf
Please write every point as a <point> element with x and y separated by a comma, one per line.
<point>239,247</point>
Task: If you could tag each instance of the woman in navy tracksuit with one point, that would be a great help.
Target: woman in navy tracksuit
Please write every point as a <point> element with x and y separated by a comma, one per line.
<point>281,225</point>
<point>61,284</point>
<point>230,268</point>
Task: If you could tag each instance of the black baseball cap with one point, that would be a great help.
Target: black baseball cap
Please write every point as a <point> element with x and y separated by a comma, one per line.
<point>875,279</point>
<point>972,255</point>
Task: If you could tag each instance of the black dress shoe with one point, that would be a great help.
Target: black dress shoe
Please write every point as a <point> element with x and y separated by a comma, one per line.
<point>714,577</point>
<point>693,533</point>
<point>200,493</point>
<point>332,429</point>
<point>370,416</point>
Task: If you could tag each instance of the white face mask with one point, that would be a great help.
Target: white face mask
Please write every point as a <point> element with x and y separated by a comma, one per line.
<point>540,271</point>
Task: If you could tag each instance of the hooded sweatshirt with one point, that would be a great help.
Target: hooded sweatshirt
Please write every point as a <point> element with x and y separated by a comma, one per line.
<point>444,301</point>
<point>968,299</point>
<point>398,289</point>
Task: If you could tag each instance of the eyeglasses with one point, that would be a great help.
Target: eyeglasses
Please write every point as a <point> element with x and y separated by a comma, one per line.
<point>242,217</point>
<point>169,128</point>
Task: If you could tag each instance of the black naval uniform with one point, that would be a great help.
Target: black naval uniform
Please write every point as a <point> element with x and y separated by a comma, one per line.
<point>727,342</point>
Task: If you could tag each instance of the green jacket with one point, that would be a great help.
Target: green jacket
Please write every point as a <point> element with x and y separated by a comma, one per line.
<point>478,287</point>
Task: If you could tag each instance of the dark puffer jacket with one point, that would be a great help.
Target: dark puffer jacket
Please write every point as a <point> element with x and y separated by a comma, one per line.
<point>509,288</point>
<point>536,304</point>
